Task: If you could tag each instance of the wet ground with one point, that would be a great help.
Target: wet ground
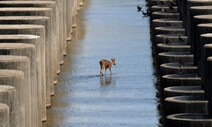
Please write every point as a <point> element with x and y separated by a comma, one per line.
<point>106,29</point>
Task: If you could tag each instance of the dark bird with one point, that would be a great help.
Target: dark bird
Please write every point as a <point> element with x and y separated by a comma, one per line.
<point>180,39</point>
<point>168,24</point>
<point>139,8</point>
<point>181,68</point>
<point>147,13</point>
<point>171,7</point>
<point>166,41</point>
<point>181,63</point>
<point>163,10</point>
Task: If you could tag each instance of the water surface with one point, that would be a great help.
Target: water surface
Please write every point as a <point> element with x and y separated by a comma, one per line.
<point>106,29</point>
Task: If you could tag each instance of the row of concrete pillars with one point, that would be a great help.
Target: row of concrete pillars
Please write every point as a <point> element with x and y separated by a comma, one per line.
<point>181,35</point>
<point>33,36</point>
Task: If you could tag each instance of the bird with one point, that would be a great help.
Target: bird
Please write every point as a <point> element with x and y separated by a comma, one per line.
<point>166,41</point>
<point>147,13</point>
<point>171,7</point>
<point>163,10</point>
<point>139,8</point>
<point>181,63</point>
<point>168,24</point>
<point>180,39</point>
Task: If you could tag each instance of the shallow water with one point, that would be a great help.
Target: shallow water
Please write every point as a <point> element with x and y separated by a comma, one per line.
<point>106,29</point>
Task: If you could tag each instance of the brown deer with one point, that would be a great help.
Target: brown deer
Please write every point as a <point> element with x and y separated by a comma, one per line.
<point>106,64</point>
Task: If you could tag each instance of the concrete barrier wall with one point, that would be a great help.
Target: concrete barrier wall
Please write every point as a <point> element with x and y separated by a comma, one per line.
<point>33,35</point>
<point>181,41</point>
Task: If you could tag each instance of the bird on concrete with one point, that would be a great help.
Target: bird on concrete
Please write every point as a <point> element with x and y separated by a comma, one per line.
<point>139,8</point>
<point>181,68</point>
<point>166,41</point>
<point>180,39</point>
<point>168,24</point>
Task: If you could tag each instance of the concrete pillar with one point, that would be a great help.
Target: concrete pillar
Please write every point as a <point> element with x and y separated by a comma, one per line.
<point>207,53</point>
<point>28,50</point>
<point>35,11</point>
<point>25,29</point>
<point>14,62</point>
<point>209,84</point>
<point>40,20</point>
<point>62,30</point>
<point>191,26</point>
<point>200,29</point>
<point>185,104</point>
<point>187,13</point>
<point>183,91</point>
<point>162,15</point>
<point>53,31</point>
<point>64,27</point>
<point>30,29</point>
<point>206,39</point>
<point>4,115</point>
<point>69,13</point>
<point>35,40</point>
<point>21,84</point>
<point>197,45</point>
<point>8,96</point>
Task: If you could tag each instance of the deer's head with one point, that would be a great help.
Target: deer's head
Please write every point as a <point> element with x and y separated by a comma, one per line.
<point>113,60</point>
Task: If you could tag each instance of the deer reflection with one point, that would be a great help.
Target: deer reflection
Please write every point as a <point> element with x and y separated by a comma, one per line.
<point>107,80</point>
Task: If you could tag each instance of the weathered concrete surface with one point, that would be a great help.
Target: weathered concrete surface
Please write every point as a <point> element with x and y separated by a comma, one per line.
<point>185,104</point>
<point>189,120</point>
<point>33,11</point>
<point>4,115</point>
<point>8,96</point>
<point>28,50</point>
<point>36,30</point>
<point>53,35</point>
<point>22,85</point>
<point>183,91</point>
<point>177,68</point>
<point>35,40</point>
<point>39,20</point>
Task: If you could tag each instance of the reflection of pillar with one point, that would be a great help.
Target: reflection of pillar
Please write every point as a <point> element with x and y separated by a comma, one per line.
<point>21,81</point>
<point>8,96</point>
<point>4,115</point>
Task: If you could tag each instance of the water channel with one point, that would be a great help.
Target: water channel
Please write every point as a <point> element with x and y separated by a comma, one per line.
<point>106,29</point>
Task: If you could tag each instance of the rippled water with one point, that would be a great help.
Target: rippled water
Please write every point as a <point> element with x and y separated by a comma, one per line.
<point>107,28</point>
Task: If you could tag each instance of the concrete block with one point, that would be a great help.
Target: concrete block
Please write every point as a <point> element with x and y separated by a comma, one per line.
<point>22,85</point>
<point>8,96</point>
<point>4,115</point>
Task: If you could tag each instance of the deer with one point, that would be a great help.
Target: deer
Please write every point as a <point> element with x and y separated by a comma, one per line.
<point>106,64</point>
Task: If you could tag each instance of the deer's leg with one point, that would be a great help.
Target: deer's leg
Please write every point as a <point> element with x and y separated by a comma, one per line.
<point>110,70</point>
<point>102,68</point>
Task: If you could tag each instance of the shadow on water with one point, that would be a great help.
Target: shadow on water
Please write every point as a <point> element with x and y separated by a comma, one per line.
<point>107,80</point>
